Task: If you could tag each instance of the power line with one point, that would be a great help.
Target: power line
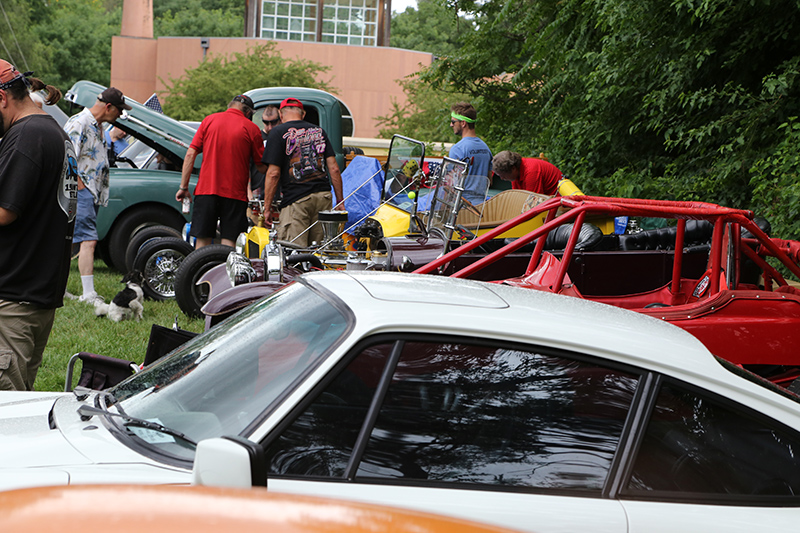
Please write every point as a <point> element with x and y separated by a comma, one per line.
<point>8,54</point>
<point>14,36</point>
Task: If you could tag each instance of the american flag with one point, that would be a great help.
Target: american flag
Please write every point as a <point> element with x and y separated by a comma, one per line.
<point>154,104</point>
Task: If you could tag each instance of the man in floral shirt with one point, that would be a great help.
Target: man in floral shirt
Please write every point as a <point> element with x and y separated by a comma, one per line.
<point>86,132</point>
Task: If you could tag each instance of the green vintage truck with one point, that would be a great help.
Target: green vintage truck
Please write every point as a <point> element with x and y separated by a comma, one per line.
<point>143,193</point>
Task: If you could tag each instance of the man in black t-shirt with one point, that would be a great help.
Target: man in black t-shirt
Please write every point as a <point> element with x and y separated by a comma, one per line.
<point>38,200</point>
<point>302,161</point>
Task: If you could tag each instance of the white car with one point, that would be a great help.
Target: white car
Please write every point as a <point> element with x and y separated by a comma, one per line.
<point>519,408</point>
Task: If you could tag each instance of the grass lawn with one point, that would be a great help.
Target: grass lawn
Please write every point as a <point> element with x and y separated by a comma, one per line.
<point>77,329</point>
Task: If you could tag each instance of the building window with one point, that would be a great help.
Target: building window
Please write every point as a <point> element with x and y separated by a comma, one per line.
<point>289,20</point>
<point>343,21</point>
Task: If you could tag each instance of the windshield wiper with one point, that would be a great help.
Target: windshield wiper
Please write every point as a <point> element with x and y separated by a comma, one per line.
<point>87,412</point>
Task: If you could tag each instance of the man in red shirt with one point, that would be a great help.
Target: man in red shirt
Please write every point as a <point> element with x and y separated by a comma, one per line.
<point>229,141</point>
<point>528,173</point>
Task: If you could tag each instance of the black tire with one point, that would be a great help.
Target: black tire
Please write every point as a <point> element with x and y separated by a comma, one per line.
<point>100,252</point>
<point>355,150</point>
<point>159,260</point>
<point>189,296</point>
<point>144,235</point>
<point>131,222</point>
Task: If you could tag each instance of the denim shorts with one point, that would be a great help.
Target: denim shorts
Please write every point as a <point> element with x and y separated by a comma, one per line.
<point>86,218</point>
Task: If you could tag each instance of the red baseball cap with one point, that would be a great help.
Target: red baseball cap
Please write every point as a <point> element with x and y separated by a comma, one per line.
<point>9,74</point>
<point>292,102</point>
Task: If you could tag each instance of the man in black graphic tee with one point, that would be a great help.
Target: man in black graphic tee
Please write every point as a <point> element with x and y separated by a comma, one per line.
<point>301,159</point>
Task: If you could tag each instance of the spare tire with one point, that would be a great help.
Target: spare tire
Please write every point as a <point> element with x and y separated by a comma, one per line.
<point>159,260</point>
<point>188,294</point>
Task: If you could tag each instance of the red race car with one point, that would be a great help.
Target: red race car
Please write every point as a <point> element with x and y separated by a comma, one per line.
<point>706,271</point>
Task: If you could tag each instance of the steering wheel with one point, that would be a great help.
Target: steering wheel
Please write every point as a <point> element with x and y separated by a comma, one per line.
<point>125,160</point>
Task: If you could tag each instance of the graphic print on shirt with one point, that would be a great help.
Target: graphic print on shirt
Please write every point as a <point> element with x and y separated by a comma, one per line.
<point>305,148</point>
<point>68,191</point>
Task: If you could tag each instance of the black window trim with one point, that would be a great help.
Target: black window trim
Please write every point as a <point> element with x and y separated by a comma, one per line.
<point>632,434</point>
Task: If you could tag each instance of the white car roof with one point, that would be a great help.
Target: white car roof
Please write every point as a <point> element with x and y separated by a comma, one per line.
<point>439,304</point>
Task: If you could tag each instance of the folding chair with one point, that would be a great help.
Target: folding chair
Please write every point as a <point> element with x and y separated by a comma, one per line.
<point>163,340</point>
<point>98,372</point>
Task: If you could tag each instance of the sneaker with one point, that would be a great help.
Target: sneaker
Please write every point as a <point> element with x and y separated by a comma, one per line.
<point>91,298</point>
<point>69,296</point>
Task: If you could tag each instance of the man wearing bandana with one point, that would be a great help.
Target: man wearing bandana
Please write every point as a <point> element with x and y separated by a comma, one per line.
<point>38,201</point>
<point>471,149</point>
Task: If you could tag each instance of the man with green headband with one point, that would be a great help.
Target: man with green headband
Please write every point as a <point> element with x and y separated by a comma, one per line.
<point>470,148</point>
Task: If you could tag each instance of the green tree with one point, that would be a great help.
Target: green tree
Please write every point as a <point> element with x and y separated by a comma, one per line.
<point>425,115</point>
<point>160,7</point>
<point>680,99</point>
<point>19,45</point>
<point>209,87</point>
<point>76,35</point>
<point>206,18</point>
<point>429,28</point>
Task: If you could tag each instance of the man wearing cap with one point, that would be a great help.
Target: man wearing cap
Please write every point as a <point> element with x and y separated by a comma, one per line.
<point>86,132</point>
<point>38,199</point>
<point>301,160</point>
<point>229,142</point>
<point>471,149</point>
<point>270,118</point>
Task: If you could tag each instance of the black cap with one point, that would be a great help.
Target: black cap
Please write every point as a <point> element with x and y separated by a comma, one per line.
<point>114,96</point>
<point>245,100</point>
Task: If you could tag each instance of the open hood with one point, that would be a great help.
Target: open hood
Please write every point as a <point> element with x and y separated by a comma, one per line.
<point>156,130</point>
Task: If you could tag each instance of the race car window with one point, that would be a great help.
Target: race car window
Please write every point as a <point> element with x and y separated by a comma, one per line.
<point>486,415</point>
<point>462,413</point>
<point>699,447</point>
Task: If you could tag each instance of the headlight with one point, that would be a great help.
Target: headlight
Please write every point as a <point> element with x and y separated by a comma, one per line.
<point>239,269</point>
<point>241,242</point>
<point>273,262</point>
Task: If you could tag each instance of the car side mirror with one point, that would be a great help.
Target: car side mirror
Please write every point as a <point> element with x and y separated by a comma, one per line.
<point>229,461</point>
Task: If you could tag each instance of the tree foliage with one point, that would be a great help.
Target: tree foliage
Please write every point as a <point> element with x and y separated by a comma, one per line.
<point>209,87</point>
<point>431,27</point>
<point>426,114</point>
<point>76,35</point>
<point>686,99</point>
<point>202,18</point>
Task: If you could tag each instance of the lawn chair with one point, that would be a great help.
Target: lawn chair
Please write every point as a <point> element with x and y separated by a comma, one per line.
<point>163,340</point>
<point>98,372</point>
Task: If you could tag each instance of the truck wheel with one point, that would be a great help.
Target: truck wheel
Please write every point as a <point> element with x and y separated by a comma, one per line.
<point>159,260</point>
<point>188,294</point>
<point>129,223</point>
<point>144,235</point>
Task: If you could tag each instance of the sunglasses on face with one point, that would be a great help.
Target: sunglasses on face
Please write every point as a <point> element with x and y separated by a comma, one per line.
<point>272,123</point>
<point>453,121</point>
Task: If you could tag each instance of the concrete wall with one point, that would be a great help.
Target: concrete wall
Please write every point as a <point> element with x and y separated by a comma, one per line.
<point>365,78</point>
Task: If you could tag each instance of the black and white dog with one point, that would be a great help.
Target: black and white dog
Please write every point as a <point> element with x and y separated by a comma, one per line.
<point>127,304</point>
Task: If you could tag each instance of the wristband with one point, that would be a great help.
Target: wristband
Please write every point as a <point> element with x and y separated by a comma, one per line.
<point>183,188</point>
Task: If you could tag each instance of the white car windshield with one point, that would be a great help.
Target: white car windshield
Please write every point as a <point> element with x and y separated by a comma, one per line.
<point>222,381</point>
